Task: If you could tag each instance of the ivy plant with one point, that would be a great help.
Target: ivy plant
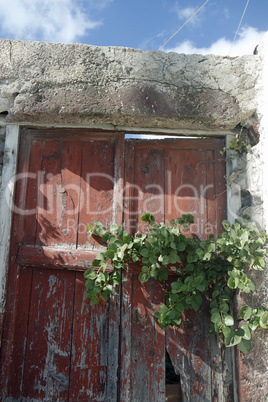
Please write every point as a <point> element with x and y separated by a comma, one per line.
<point>214,268</point>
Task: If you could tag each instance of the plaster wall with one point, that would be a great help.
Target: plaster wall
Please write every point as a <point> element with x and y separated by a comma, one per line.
<point>251,181</point>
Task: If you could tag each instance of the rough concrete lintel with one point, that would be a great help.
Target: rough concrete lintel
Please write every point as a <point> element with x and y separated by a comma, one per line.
<point>85,85</point>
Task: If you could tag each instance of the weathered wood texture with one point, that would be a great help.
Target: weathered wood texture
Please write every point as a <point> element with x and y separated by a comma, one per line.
<point>6,200</point>
<point>168,179</point>
<point>56,346</point>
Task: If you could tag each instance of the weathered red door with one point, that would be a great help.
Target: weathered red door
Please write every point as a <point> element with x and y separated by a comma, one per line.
<point>169,178</point>
<point>55,345</point>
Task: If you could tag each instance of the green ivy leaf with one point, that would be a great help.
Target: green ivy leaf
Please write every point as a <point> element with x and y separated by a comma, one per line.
<point>231,283</point>
<point>148,218</point>
<point>245,345</point>
<point>177,321</point>
<point>90,228</point>
<point>145,269</point>
<point>163,309</point>
<point>188,218</point>
<point>163,275</point>
<point>232,339</point>
<point>157,314</point>
<point>110,253</point>
<point>90,274</point>
<point>165,260</point>
<point>228,320</point>
<point>260,311</point>
<point>253,324</point>
<point>180,307</point>
<point>116,278</point>
<point>264,320</point>
<point>226,225</point>
<point>171,314</point>
<point>113,227</point>
<point>144,252</point>
<point>197,301</point>
<point>259,261</point>
<point>247,333</point>
<point>94,299</point>
<point>224,308</point>
<point>96,263</point>
<point>181,246</point>
<point>245,312</point>
<point>192,257</point>
<point>143,277</point>
<point>215,317</point>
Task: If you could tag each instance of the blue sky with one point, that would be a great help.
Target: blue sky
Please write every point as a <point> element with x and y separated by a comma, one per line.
<point>140,24</point>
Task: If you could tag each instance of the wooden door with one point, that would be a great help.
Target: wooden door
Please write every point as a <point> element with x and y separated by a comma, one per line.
<point>55,345</point>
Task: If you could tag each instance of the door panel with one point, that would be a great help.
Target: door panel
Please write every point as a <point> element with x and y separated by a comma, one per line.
<point>48,345</point>
<point>169,178</point>
<point>55,345</point>
<point>91,348</point>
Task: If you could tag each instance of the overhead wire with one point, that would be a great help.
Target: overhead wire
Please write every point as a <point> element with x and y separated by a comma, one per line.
<point>161,47</point>
<point>238,27</point>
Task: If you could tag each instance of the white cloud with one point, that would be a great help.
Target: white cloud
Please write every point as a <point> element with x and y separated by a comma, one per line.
<point>185,13</point>
<point>46,20</point>
<point>245,43</point>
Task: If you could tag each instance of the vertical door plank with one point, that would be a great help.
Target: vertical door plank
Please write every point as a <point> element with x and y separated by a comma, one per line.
<point>198,172</point>
<point>143,341</point>
<point>23,298</point>
<point>189,349</point>
<point>97,188</point>
<point>144,184</point>
<point>215,192</point>
<point>210,192</point>
<point>47,359</point>
<point>49,202</point>
<point>184,184</point>
<point>115,300</point>
<point>89,347</point>
<point>220,199</point>
<point>94,364</point>
<point>70,193</point>
<point>187,345</point>
<point>15,319</point>
<point>32,194</point>
<point>221,357</point>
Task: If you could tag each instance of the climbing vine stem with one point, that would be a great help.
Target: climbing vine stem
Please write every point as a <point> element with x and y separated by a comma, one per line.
<point>214,268</point>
